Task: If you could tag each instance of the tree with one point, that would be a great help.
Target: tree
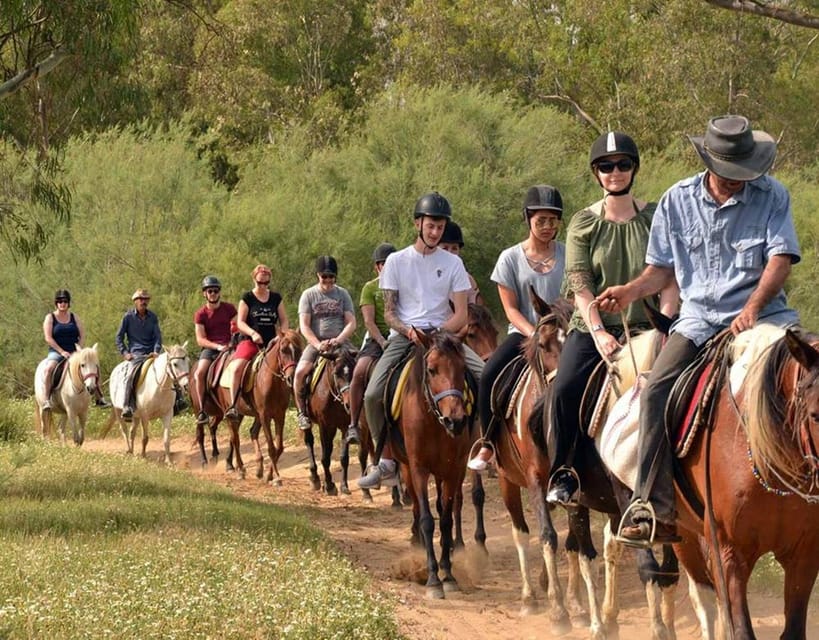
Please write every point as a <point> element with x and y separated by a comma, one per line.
<point>772,10</point>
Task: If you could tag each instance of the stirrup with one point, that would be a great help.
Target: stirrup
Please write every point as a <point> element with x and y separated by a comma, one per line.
<point>480,443</point>
<point>650,523</point>
<point>572,502</point>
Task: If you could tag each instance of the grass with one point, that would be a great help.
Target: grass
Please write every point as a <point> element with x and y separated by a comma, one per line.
<point>101,546</point>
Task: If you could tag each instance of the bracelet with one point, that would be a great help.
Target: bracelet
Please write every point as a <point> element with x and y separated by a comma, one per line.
<point>597,327</point>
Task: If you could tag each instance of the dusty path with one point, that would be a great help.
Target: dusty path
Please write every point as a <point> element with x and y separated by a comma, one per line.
<point>375,537</point>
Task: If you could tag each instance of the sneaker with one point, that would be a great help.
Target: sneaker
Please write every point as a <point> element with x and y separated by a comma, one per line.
<point>563,488</point>
<point>202,418</point>
<point>378,475</point>
<point>353,435</point>
<point>304,422</point>
<point>482,461</point>
<point>102,403</point>
<point>639,534</point>
<point>127,414</point>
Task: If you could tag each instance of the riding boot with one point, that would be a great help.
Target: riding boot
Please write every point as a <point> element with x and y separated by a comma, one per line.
<point>235,391</point>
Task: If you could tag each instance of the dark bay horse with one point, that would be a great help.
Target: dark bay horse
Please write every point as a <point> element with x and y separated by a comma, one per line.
<point>267,400</point>
<point>436,432</point>
<point>755,473</point>
<point>329,407</point>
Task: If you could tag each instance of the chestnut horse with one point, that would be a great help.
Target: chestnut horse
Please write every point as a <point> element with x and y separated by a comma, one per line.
<point>481,334</point>
<point>267,400</point>
<point>437,433</point>
<point>755,473</point>
<point>329,407</point>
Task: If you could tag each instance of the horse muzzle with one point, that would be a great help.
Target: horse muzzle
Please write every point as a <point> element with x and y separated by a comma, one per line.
<point>453,426</point>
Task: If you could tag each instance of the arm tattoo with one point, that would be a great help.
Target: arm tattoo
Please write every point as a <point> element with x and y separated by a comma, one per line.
<point>391,314</point>
<point>579,280</point>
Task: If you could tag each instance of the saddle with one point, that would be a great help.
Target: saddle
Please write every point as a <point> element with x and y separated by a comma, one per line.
<point>229,367</point>
<point>141,372</point>
<point>59,371</point>
<point>217,367</point>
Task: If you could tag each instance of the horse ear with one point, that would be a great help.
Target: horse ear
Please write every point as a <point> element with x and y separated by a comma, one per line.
<point>658,320</point>
<point>802,352</point>
<point>165,349</point>
<point>95,346</point>
<point>185,345</point>
<point>77,347</point>
<point>538,303</point>
<point>426,341</point>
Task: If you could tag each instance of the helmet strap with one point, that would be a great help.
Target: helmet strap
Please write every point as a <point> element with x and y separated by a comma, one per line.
<point>622,192</point>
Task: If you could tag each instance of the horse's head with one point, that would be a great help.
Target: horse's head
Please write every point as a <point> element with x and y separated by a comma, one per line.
<point>342,370</point>
<point>177,365</point>
<point>444,378</point>
<point>84,367</point>
<point>543,348</point>
<point>481,334</point>
<point>807,356</point>
<point>290,347</point>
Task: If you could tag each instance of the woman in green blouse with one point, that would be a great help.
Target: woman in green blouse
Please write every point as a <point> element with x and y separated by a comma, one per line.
<point>605,245</point>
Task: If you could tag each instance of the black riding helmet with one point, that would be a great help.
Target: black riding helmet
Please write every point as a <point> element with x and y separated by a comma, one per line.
<point>452,234</point>
<point>326,264</point>
<point>614,143</point>
<point>433,205</point>
<point>62,294</point>
<point>211,282</point>
<point>540,197</point>
<point>382,251</point>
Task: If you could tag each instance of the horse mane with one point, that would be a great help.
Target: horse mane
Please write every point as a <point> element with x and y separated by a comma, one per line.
<point>540,419</point>
<point>559,313</point>
<point>292,336</point>
<point>771,418</point>
<point>445,342</point>
<point>177,351</point>
<point>76,359</point>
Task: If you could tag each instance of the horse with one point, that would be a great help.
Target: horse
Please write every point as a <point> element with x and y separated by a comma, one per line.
<point>753,476</point>
<point>481,334</point>
<point>435,437</point>
<point>267,400</point>
<point>329,407</point>
<point>71,396</point>
<point>154,397</point>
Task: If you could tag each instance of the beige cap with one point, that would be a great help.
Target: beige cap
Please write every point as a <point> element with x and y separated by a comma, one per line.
<point>141,293</point>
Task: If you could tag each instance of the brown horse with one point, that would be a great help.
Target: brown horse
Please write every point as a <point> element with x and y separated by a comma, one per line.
<point>329,407</point>
<point>435,437</point>
<point>754,476</point>
<point>267,400</point>
<point>523,461</point>
<point>481,334</point>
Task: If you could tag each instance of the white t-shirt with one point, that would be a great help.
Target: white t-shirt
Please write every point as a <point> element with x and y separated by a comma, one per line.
<point>424,284</point>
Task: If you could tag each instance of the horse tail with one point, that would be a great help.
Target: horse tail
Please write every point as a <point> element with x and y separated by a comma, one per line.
<point>108,424</point>
<point>770,443</point>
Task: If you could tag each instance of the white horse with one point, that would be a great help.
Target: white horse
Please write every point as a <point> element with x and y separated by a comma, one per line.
<point>154,396</point>
<point>71,397</point>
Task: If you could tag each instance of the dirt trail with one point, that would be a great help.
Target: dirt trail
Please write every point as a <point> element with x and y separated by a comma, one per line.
<point>376,538</point>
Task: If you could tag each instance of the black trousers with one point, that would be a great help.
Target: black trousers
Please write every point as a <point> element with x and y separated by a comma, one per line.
<point>653,445</point>
<point>578,360</point>
<point>503,355</point>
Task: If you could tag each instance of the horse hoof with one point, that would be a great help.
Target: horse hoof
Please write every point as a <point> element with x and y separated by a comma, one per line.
<point>316,484</point>
<point>259,473</point>
<point>529,608</point>
<point>396,506</point>
<point>366,497</point>
<point>436,593</point>
<point>276,482</point>
<point>561,626</point>
<point>331,490</point>
<point>242,474</point>
<point>450,586</point>
<point>345,490</point>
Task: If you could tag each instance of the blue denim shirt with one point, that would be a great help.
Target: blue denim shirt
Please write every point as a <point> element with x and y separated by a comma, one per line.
<point>142,335</point>
<point>718,253</point>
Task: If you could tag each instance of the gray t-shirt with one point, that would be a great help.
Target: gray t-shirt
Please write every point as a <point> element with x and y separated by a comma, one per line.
<point>326,310</point>
<point>512,270</point>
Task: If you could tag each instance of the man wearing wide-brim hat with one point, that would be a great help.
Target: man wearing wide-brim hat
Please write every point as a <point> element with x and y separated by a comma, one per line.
<point>727,236</point>
<point>137,338</point>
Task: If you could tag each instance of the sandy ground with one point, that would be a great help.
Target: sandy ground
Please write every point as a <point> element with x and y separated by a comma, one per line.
<point>376,538</point>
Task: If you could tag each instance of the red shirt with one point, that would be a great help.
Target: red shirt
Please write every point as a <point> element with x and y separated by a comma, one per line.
<point>216,321</point>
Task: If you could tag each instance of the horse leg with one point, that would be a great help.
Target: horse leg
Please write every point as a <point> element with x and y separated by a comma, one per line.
<point>255,428</point>
<point>326,458</point>
<point>214,451</point>
<point>668,579</point>
<point>236,447</point>
<point>737,571</point>
<point>366,496</point>
<point>309,441</point>
<point>452,488</point>
<point>79,433</point>
<point>420,480</point>
<point>558,616</point>
<point>478,501</point>
<point>144,423</point>
<point>457,508</point>
<point>61,428</point>
<point>612,552</point>
<point>800,568</point>
<point>200,442</point>
<point>276,447</point>
<point>520,534</point>
<point>700,586</point>
<point>579,522</point>
<point>344,458</point>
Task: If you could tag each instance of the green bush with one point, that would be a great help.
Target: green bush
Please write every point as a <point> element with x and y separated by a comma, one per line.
<point>15,420</point>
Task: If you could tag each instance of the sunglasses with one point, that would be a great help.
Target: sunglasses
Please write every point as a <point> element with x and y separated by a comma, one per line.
<point>144,299</point>
<point>262,283</point>
<point>61,301</point>
<point>546,223</point>
<point>607,166</point>
<point>212,290</point>
<point>327,276</point>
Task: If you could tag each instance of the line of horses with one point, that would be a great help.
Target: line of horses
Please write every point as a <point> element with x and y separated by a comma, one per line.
<point>747,484</point>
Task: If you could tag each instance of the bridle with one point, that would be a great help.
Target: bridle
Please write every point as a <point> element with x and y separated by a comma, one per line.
<point>434,399</point>
<point>170,372</point>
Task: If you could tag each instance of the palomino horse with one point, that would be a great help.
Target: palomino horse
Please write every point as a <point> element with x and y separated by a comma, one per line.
<point>329,407</point>
<point>71,397</point>
<point>267,400</point>
<point>154,397</point>
<point>436,432</point>
<point>755,474</point>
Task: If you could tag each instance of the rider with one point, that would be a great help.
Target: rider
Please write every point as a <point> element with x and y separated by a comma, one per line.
<point>212,322</point>
<point>605,245</point>
<point>260,309</point>
<point>418,282</point>
<point>538,262</point>
<point>453,241</point>
<point>371,304</point>
<point>727,236</point>
<point>138,338</point>
<point>63,331</point>
<point>326,320</point>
